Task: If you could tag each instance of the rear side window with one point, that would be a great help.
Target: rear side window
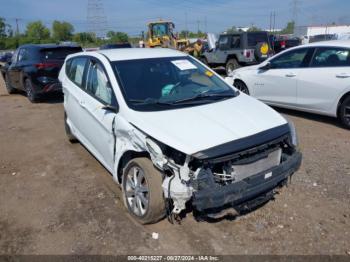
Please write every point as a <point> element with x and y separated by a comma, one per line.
<point>331,57</point>
<point>58,53</point>
<point>75,69</point>
<point>256,38</point>
<point>236,41</point>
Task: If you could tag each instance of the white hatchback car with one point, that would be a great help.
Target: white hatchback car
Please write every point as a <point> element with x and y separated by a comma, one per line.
<point>171,131</point>
<point>313,78</point>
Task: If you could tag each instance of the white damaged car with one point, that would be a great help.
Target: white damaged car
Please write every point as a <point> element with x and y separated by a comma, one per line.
<point>174,134</point>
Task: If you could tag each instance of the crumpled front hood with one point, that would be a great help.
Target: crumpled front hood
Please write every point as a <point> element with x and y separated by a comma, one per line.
<point>197,128</point>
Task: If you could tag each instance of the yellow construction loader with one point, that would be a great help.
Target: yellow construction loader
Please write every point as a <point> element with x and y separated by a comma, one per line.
<point>161,34</point>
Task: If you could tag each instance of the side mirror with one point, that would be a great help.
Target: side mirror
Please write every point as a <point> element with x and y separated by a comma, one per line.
<point>266,67</point>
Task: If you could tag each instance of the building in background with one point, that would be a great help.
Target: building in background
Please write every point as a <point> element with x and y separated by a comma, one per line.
<point>308,32</point>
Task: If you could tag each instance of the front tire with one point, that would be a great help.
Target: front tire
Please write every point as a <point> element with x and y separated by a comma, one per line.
<point>9,88</point>
<point>31,95</point>
<point>241,87</point>
<point>231,65</point>
<point>142,191</point>
<point>344,112</point>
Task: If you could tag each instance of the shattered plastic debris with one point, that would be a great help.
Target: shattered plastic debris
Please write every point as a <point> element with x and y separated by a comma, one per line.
<point>155,235</point>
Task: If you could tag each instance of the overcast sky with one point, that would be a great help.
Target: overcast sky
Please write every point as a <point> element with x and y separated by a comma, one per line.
<point>131,16</point>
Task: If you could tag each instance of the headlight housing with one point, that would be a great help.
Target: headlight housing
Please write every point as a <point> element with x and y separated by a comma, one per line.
<point>293,133</point>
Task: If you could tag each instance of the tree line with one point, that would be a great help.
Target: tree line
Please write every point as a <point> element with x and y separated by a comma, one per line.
<point>37,33</point>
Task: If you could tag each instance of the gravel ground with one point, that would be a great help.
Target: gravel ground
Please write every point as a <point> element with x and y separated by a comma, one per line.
<point>55,198</point>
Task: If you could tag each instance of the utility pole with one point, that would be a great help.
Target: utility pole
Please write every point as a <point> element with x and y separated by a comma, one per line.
<point>17,26</point>
<point>205,25</point>
<point>295,11</point>
<point>270,28</point>
<point>274,21</point>
<point>186,25</point>
<point>96,18</point>
<point>198,26</point>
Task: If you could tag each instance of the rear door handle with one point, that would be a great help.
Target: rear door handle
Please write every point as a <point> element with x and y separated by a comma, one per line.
<point>291,75</point>
<point>343,75</point>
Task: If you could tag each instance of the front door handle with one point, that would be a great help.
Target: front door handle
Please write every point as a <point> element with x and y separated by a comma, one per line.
<point>291,75</point>
<point>343,75</point>
<point>82,104</point>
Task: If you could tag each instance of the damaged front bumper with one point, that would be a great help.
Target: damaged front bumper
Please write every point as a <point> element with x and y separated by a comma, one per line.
<point>214,195</point>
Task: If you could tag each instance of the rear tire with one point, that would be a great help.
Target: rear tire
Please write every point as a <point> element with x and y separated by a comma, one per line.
<point>69,134</point>
<point>241,86</point>
<point>31,95</point>
<point>9,88</point>
<point>344,112</point>
<point>231,65</point>
<point>144,198</point>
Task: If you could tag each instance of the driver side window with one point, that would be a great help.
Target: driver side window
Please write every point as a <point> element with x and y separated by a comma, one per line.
<point>97,84</point>
<point>291,59</point>
<point>223,42</point>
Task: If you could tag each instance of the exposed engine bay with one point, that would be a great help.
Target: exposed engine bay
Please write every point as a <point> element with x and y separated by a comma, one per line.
<point>203,180</point>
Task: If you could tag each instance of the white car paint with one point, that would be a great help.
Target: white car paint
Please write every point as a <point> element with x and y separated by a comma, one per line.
<point>108,135</point>
<point>310,89</point>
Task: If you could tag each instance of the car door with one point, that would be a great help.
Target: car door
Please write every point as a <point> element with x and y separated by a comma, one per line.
<point>218,56</point>
<point>72,86</point>
<point>12,70</point>
<point>321,84</point>
<point>19,67</point>
<point>277,84</point>
<point>100,107</point>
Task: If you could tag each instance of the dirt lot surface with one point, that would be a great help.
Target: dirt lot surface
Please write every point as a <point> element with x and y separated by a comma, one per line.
<point>55,198</point>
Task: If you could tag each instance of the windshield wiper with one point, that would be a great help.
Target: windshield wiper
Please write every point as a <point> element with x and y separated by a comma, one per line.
<point>204,95</point>
<point>149,101</point>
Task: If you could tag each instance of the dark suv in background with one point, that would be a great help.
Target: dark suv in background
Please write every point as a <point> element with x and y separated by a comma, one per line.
<point>239,49</point>
<point>34,69</point>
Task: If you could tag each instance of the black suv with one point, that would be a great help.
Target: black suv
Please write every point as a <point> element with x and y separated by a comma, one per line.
<point>239,49</point>
<point>35,68</point>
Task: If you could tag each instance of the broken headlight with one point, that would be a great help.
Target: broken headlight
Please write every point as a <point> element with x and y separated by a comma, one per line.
<point>293,133</point>
<point>161,153</point>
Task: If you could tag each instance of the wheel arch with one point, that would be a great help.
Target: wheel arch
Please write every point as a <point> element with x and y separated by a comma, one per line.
<point>344,96</point>
<point>125,158</point>
<point>240,80</point>
<point>232,56</point>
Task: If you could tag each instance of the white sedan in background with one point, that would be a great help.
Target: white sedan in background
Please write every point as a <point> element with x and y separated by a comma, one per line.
<point>313,78</point>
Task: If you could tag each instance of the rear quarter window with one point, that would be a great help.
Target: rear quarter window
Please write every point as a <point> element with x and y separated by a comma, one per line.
<point>256,38</point>
<point>75,69</point>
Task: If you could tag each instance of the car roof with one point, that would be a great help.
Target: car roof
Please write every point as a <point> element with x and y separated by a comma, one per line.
<point>139,53</point>
<point>334,43</point>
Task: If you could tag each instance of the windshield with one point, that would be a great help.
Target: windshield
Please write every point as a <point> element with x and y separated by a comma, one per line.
<point>167,83</point>
<point>159,30</point>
